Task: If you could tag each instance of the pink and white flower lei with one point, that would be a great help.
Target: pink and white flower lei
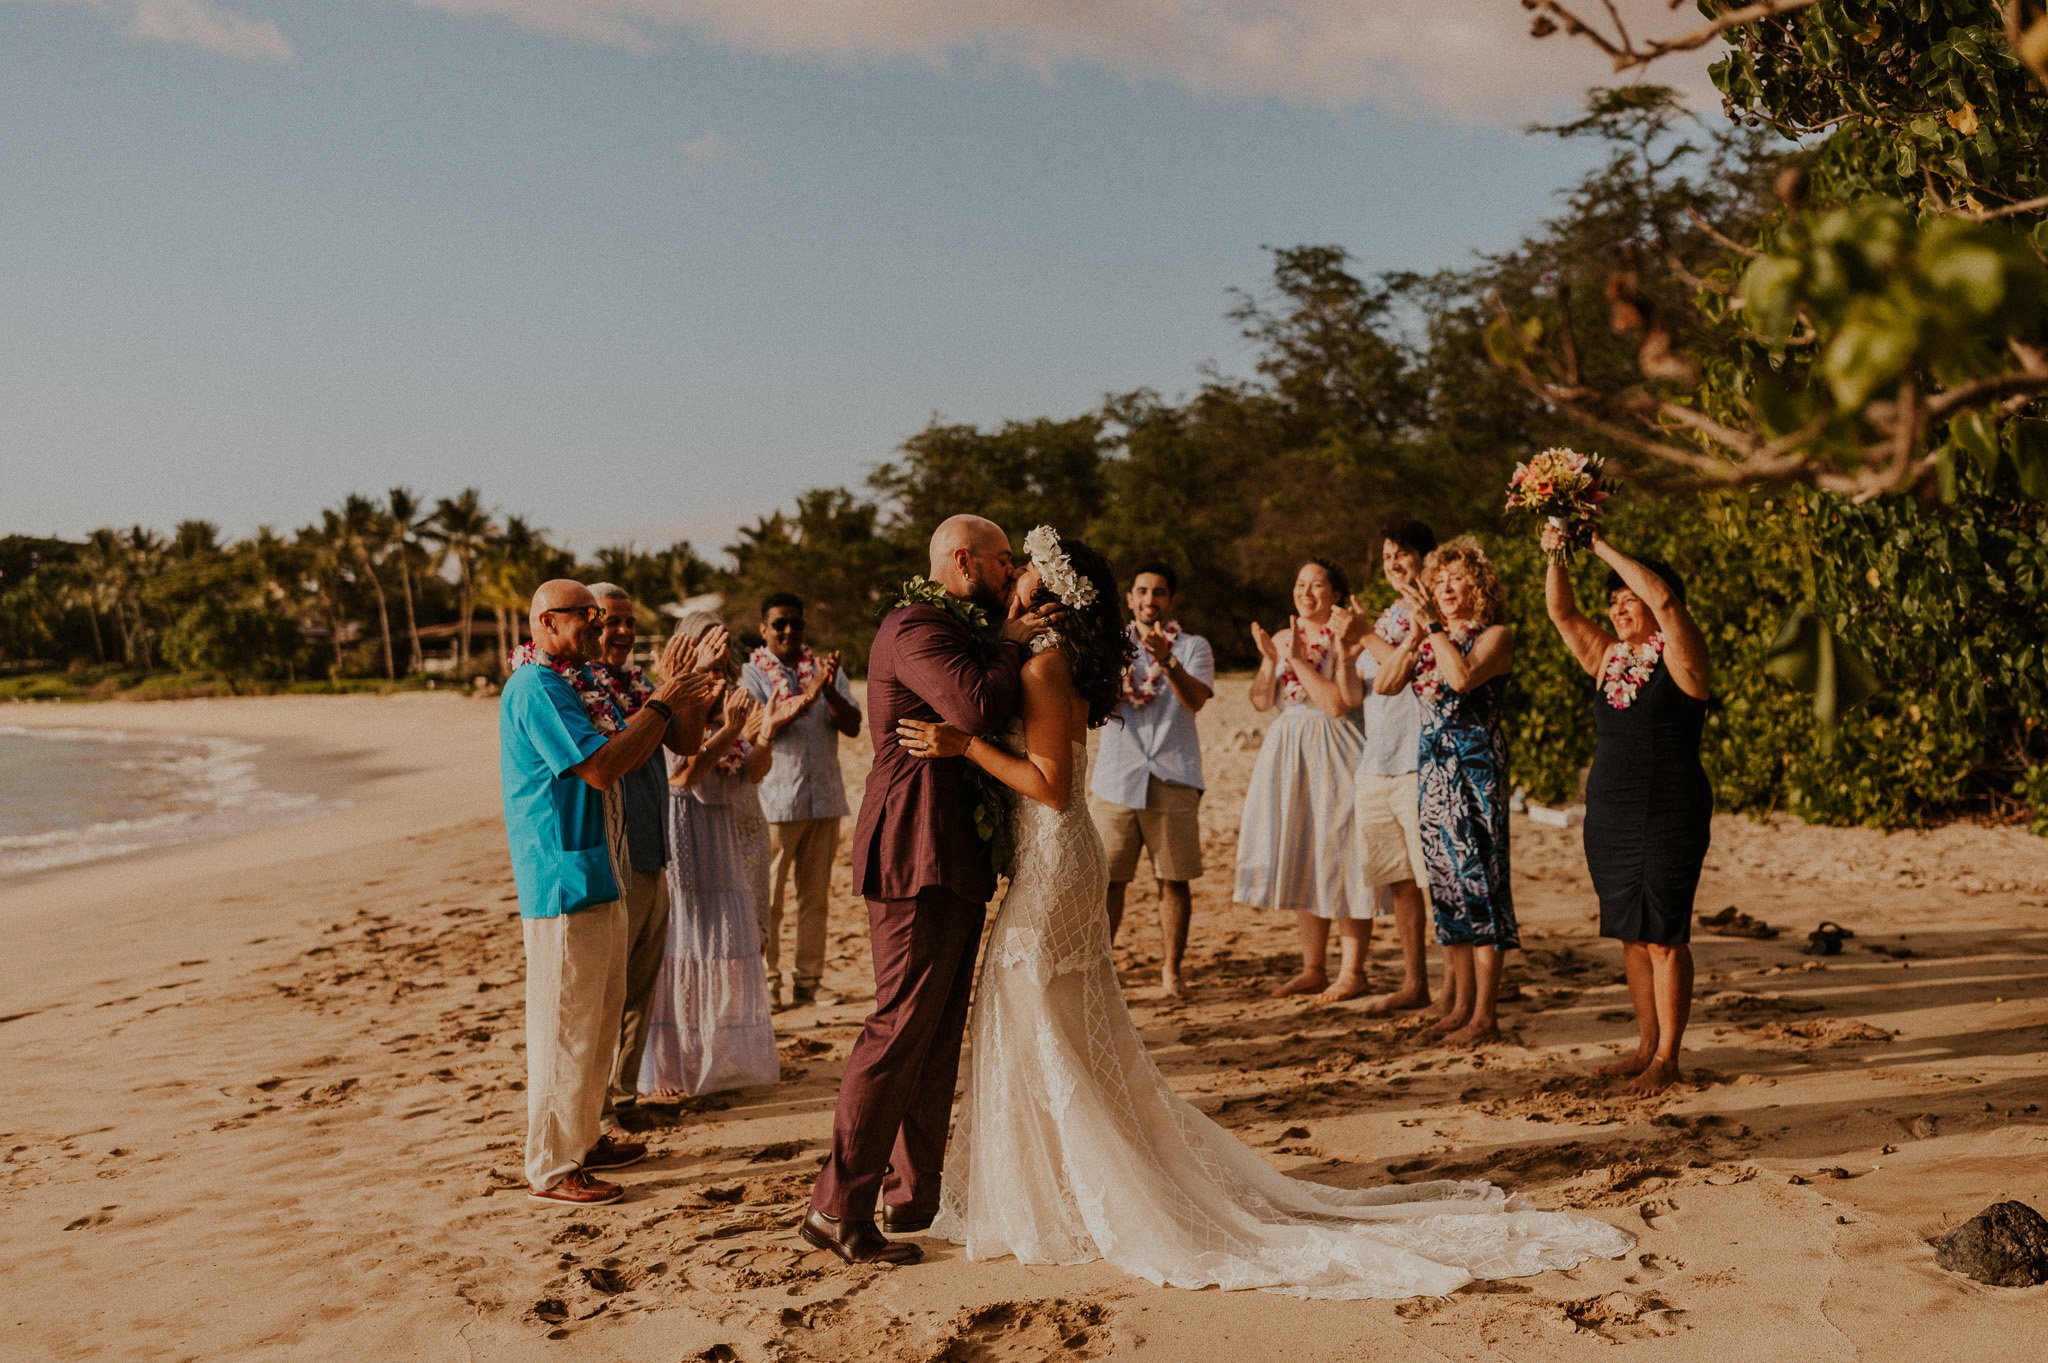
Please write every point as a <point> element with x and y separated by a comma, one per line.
<point>1395,624</point>
<point>1145,679</point>
<point>778,672</point>
<point>1318,651</point>
<point>609,699</point>
<point>1627,667</point>
<point>1429,682</point>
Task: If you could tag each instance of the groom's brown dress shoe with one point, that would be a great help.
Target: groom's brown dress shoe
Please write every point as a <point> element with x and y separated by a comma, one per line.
<point>906,1220</point>
<point>857,1242</point>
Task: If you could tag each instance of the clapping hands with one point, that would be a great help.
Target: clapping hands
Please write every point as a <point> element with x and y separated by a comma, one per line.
<point>1421,604</point>
<point>1153,639</point>
<point>1267,648</point>
<point>1349,624</point>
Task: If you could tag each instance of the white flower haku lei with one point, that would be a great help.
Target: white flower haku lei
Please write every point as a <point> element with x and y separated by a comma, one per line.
<point>1056,570</point>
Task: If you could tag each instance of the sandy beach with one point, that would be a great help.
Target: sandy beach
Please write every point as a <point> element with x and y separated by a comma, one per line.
<point>264,1102</point>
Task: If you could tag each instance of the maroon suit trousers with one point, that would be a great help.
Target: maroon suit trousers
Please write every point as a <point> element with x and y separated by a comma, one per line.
<point>896,1097</point>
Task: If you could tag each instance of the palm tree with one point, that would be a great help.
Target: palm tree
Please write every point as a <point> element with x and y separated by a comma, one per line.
<point>520,559</point>
<point>462,528</point>
<point>100,562</point>
<point>361,531</point>
<point>278,572</point>
<point>403,514</point>
<point>141,560</point>
<point>327,562</point>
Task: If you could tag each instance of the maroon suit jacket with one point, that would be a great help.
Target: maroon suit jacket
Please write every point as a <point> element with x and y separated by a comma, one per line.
<point>916,826</point>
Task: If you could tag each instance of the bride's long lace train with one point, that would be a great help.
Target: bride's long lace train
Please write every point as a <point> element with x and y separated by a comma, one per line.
<point>1069,1146</point>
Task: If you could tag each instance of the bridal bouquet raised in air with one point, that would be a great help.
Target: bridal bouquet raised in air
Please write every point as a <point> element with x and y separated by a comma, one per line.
<point>1564,487</point>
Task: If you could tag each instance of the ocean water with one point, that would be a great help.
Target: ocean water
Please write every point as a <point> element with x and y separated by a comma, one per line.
<point>70,796</point>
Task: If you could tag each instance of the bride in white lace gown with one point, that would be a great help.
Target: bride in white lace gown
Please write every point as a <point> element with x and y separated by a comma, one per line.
<point>1069,1146</point>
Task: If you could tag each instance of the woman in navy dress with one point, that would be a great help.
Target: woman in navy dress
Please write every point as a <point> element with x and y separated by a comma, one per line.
<point>1458,663</point>
<point>1649,808</point>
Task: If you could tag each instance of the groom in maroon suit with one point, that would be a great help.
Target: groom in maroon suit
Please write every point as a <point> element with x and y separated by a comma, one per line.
<point>926,875</point>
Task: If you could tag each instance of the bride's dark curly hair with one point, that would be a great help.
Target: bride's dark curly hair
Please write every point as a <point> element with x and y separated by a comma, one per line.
<point>1097,648</point>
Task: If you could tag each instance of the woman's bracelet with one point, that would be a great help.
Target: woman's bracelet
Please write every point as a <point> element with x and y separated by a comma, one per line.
<point>662,708</point>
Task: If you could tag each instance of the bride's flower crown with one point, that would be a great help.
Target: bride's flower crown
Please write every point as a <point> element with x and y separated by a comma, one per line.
<point>1056,570</point>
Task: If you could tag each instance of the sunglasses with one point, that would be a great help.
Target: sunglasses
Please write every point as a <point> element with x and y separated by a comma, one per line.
<point>780,625</point>
<point>590,614</point>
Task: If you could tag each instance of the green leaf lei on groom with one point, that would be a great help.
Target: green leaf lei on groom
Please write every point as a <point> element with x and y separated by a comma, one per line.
<point>992,797</point>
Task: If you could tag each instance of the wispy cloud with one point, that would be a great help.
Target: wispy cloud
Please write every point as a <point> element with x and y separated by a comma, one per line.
<point>1471,59</point>
<point>198,24</point>
<point>192,23</point>
<point>712,146</point>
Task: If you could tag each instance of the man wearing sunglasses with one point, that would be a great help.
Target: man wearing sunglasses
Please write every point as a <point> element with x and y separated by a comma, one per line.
<point>803,796</point>
<point>561,773</point>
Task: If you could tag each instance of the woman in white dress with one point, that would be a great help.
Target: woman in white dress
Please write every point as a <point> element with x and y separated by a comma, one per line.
<point>1069,1146</point>
<point>1294,837</point>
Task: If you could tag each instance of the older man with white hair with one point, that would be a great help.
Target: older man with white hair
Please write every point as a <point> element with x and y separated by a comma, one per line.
<point>645,794</point>
<point>561,765</point>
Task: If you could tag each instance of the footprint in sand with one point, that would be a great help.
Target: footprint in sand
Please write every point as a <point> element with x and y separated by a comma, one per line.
<point>1620,1316</point>
<point>1651,1267</point>
<point>1014,1332</point>
<point>1655,1210</point>
<point>98,1218</point>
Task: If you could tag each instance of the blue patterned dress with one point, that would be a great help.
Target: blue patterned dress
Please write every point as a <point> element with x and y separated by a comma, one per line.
<point>1463,772</point>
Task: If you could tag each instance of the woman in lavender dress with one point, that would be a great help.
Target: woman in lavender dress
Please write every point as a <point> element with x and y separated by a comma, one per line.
<point>709,1027</point>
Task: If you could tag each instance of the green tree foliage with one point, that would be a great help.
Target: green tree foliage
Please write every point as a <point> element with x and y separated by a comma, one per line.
<point>238,642</point>
<point>830,551</point>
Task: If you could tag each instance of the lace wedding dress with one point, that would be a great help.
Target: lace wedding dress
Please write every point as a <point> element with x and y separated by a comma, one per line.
<point>1069,1146</point>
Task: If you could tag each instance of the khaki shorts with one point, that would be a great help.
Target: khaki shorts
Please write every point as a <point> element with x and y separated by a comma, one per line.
<point>1169,827</point>
<point>1388,828</point>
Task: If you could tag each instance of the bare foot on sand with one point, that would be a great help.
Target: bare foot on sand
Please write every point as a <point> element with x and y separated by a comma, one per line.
<point>1400,1001</point>
<point>1657,1076</point>
<point>1447,1023</point>
<point>1628,1065</point>
<point>1473,1033</point>
<point>1173,988</point>
<point>1346,987</point>
<point>1307,982</point>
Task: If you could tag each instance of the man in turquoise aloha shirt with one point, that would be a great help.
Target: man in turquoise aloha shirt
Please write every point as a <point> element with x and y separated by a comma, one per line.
<point>560,774</point>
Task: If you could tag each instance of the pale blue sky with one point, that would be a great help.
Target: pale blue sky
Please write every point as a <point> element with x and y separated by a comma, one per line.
<point>652,279</point>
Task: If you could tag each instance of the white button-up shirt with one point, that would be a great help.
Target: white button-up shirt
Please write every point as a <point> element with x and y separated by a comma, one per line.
<point>1157,738</point>
<point>803,782</point>
<point>1393,724</point>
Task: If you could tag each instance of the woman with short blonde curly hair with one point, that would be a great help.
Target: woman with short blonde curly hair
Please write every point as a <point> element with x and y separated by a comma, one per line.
<point>1464,554</point>
<point>1458,661</point>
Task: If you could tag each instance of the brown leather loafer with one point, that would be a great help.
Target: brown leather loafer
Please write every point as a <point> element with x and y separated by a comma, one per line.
<point>578,1189</point>
<point>855,1242</point>
<point>614,1152</point>
<point>907,1220</point>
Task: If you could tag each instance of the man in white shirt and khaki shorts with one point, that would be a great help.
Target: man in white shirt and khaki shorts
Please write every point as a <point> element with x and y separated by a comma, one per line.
<point>1147,788</point>
<point>1387,803</point>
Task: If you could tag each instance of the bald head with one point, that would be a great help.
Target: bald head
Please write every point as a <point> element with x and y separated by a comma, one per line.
<point>970,557</point>
<point>557,593</point>
<point>975,534</point>
<point>561,616</point>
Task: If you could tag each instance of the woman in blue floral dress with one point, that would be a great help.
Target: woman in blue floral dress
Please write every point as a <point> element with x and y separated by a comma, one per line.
<point>1458,663</point>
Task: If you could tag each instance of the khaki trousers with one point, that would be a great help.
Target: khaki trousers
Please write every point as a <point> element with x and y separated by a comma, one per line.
<point>575,987</point>
<point>803,847</point>
<point>646,941</point>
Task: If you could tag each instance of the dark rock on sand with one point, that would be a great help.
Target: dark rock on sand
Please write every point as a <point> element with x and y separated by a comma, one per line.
<point>2005,1245</point>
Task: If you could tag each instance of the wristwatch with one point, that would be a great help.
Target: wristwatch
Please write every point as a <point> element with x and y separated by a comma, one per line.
<point>1437,627</point>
